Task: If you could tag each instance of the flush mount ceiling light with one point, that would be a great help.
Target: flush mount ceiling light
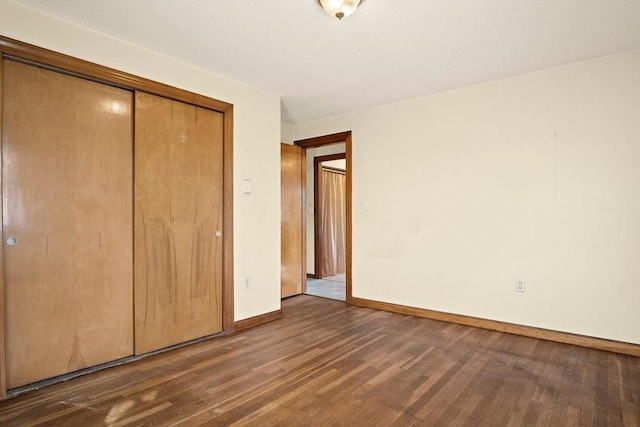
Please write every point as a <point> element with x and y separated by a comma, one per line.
<point>339,8</point>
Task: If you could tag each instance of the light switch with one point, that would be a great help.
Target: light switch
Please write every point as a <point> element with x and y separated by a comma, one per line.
<point>247,186</point>
<point>311,210</point>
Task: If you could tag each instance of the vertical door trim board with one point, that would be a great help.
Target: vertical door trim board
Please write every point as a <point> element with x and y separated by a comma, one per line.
<point>3,342</point>
<point>27,53</point>
<point>338,138</point>
<point>227,222</point>
<point>303,224</point>
<point>318,189</point>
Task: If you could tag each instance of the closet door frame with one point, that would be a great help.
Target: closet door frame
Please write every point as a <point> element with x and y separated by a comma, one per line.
<point>23,52</point>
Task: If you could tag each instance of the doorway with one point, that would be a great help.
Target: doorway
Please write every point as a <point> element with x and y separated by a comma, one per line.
<point>340,277</point>
<point>328,236</point>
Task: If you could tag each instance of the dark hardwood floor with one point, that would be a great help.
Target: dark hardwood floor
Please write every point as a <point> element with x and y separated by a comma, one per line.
<point>327,363</point>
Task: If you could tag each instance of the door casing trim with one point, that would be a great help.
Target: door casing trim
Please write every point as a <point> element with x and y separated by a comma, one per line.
<point>318,189</point>
<point>338,138</point>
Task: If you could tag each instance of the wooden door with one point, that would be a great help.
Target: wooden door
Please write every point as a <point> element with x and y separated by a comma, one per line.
<point>292,232</point>
<point>178,222</point>
<point>67,202</point>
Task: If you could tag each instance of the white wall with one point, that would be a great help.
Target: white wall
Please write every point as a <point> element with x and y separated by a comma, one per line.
<point>287,133</point>
<point>337,164</point>
<point>312,153</point>
<point>534,177</point>
<point>256,140</point>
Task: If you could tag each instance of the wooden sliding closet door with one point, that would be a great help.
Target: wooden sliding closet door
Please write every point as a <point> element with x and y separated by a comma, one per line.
<point>67,222</point>
<point>178,222</point>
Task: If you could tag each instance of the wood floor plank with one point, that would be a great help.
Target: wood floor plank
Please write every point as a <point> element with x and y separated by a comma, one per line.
<point>328,363</point>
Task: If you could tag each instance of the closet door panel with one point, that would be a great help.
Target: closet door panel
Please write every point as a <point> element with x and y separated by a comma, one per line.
<point>67,202</point>
<point>178,211</point>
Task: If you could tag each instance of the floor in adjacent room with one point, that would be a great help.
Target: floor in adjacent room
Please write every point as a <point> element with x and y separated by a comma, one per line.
<point>328,287</point>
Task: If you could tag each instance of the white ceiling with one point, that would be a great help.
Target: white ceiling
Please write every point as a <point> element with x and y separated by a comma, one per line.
<point>389,50</point>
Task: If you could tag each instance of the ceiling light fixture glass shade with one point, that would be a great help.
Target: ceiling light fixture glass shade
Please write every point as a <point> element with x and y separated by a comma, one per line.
<point>339,8</point>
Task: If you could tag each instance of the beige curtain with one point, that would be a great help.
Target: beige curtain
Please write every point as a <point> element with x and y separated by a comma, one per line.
<point>333,223</point>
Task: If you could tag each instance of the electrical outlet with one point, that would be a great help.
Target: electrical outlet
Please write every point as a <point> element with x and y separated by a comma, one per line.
<point>519,285</point>
<point>247,282</point>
